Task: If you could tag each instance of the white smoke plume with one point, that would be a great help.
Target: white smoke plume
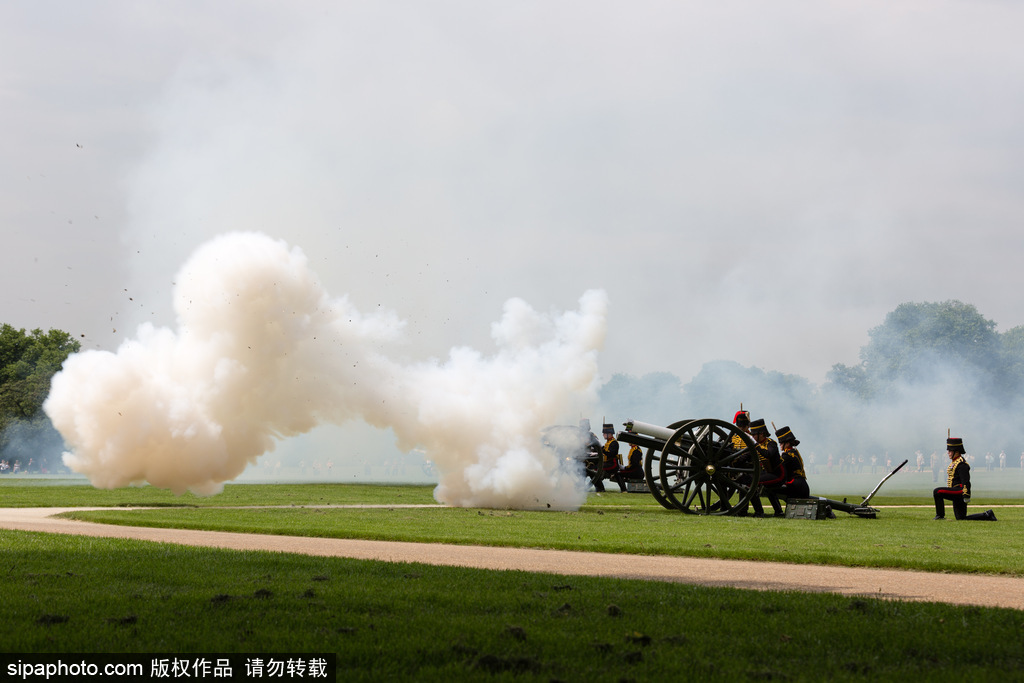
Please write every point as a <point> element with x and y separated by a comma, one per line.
<point>262,352</point>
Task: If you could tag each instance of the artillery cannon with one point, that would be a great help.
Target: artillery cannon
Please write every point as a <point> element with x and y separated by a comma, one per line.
<point>703,467</point>
<point>710,467</point>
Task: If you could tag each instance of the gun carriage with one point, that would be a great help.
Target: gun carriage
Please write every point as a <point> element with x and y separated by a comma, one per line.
<point>704,467</point>
<point>711,467</point>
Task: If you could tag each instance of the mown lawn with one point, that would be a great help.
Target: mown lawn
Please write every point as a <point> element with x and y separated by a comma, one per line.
<point>27,492</point>
<point>402,622</point>
<point>407,622</point>
<point>905,538</point>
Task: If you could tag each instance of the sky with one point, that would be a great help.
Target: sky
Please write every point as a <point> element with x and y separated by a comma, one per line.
<point>756,182</point>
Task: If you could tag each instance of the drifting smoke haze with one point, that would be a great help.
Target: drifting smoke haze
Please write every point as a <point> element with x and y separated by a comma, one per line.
<point>754,186</point>
<point>937,389</point>
<point>829,421</point>
<point>262,352</point>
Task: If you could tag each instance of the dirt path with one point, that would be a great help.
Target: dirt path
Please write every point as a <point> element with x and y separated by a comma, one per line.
<point>982,590</point>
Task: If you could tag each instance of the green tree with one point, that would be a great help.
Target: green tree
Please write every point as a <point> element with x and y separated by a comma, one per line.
<point>913,337</point>
<point>28,362</point>
<point>1011,379</point>
<point>918,342</point>
<point>851,379</point>
<point>933,363</point>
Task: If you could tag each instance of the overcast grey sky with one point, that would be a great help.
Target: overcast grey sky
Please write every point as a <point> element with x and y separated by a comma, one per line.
<point>759,182</point>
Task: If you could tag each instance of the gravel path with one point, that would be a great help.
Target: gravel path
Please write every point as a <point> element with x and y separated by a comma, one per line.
<point>966,589</point>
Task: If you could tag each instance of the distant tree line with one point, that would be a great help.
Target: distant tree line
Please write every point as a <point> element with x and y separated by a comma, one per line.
<point>927,368</point>
<point>28,361</point>
<point>918,340</point>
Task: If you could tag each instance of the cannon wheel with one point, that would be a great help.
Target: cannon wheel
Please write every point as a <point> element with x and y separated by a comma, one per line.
<point>702,473</point>
<point>592,469</point>
<point>652,472</point>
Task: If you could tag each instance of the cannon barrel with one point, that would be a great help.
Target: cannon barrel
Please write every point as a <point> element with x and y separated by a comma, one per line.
<point>647,429</point>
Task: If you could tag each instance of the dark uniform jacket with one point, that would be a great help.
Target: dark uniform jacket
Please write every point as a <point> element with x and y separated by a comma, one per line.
<point>636,458</point>
<point>794,463</point>
<point>768,453</point>
<point>958,476</point>
<point>611,455</point>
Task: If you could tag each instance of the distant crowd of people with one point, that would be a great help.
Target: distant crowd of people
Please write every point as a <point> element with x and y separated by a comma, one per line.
<point>875,464</point>
<point>30,466</point>
<point>14,466</point>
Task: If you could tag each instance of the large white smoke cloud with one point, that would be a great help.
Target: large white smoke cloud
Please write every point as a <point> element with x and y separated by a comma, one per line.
<point>262,352</point>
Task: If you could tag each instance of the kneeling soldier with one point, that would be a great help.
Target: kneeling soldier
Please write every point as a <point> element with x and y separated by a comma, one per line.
<point>796,477</point>
<point>958,485</point>
<point>773,472</point>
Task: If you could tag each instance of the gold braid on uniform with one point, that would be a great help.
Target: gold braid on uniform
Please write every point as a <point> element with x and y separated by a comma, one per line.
<point>951,471</point>
<point>795,454</point>
<point>762,455</point>
<point>637,459</point>
<point>606,452</point>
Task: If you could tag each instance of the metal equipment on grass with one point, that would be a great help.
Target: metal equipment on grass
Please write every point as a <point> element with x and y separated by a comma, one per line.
<point>710,467</point>
<point>704,467</point>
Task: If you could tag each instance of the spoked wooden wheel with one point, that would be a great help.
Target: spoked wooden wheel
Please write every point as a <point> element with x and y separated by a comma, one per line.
<point>652,472</point>
<point>592,470</point>
<point>701,470</point>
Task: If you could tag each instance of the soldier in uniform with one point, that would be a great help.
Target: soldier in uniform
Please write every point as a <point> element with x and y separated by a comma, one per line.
<point>591,453</point>
<point>742,421</point>
<point>958,485</point>
<point>610,451</point>
<point>634,471</point>
<point>773,472</point>
<point>796,478</point>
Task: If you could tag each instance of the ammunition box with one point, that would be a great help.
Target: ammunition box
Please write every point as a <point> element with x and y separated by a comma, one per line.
<point>807,508</point>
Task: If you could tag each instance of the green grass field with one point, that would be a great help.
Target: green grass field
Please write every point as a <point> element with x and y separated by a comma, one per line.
<point>413,622</point>
<point>906,538</point>
<point>902,537</point>
<point>52,492</point>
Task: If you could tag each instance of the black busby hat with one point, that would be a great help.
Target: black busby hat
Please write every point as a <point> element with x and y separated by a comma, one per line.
<point>955,444</point>
<point>608,429</point>
<point>758,427</point>
<point>742,418</point>
<point>785,435</point>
